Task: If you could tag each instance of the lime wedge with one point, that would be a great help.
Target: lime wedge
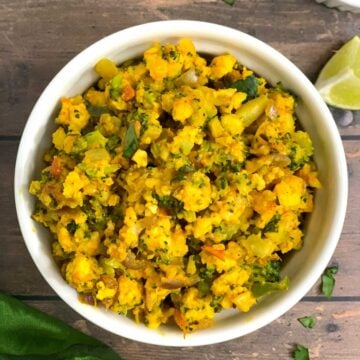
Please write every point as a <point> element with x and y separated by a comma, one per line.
<point>339,80</point>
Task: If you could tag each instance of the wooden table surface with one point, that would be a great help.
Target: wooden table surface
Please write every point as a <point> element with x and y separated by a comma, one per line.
<point>37,38</point>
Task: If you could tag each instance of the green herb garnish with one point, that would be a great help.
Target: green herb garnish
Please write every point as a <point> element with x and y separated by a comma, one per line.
<point>272,225</point>
<point>301,353</point>
<point>174,54</point>
<point>328,281</point>
<point>248,85</point>
<point>131,141</point>
<point>71,227</point>
<point>307,321</point>
<point>229,2</point>
<point>216,303</point>
<point>181,173</point>
<point>96,111</point>
<point>144,121</point>
<point>112,142</point>
<point>168,202</point>
<point>194,245</point>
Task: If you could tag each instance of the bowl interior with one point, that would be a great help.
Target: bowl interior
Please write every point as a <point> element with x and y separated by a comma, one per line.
<point>322,230</point>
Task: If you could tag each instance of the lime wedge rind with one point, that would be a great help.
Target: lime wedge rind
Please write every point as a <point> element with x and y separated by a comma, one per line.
<point>347,56</point>
<point>324,84</point>
<point>342,90</point>
<point>339,80</point>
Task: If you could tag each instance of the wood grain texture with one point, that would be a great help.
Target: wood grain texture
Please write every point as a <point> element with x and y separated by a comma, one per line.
<point>334,337</point>
<point>37,38</point>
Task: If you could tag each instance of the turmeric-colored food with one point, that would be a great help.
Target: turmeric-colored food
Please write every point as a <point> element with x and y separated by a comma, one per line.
<point>174,186</point>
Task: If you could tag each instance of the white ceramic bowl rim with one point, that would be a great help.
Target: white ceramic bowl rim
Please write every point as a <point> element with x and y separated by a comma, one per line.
<point>342,5</point>
<point>354,3</point>
<point>214,38</point>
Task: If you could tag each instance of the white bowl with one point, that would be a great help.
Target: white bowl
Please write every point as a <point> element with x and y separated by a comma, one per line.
<point>324,226</point>
<point>343,5</point>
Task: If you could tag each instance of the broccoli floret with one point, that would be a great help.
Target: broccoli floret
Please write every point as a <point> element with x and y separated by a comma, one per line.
<point>207,275</point>
<point>300,150</point>
<point>269,272</point>
<point>115,85</point>
<point>267,279</point>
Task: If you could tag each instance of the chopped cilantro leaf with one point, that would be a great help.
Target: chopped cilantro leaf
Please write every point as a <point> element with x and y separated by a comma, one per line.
<point>328,281</point>
<point>131,141</point>
<point>216,303</point>
<point>181,173</point>
<point>71,227</point>
<point>272,225</point>
<point>96,111</point>
<point>307,321</point>
<point>301,353</point>
<point>112,142</point>
<point>173,54</point>
<point>194,245</point>
<point>229,2</point>
<point>168,202</point>
<point>248,85</point>
<point>144,121</point>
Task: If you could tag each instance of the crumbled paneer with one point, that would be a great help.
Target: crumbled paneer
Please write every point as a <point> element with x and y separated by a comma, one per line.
<point>174,185</point>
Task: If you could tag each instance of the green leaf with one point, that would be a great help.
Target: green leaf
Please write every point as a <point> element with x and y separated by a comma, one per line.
<point>181,173</point>
<point>112,142</point>
<point>307,321</point>
<point>194,245</point>
<point>328,281</point>
<point>168,202</point>
<point>96,111</point>
<point>144,121</point>
<point>248,85</point>
<point>71,227</point>
<point>131,141</point>
<point>229,2</point>
<point>301,353</point>
<point>272,225</point>
<point>29,334</point>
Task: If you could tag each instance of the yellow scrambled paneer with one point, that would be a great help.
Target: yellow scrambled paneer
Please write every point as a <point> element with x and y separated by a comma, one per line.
<point>174,185</point>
